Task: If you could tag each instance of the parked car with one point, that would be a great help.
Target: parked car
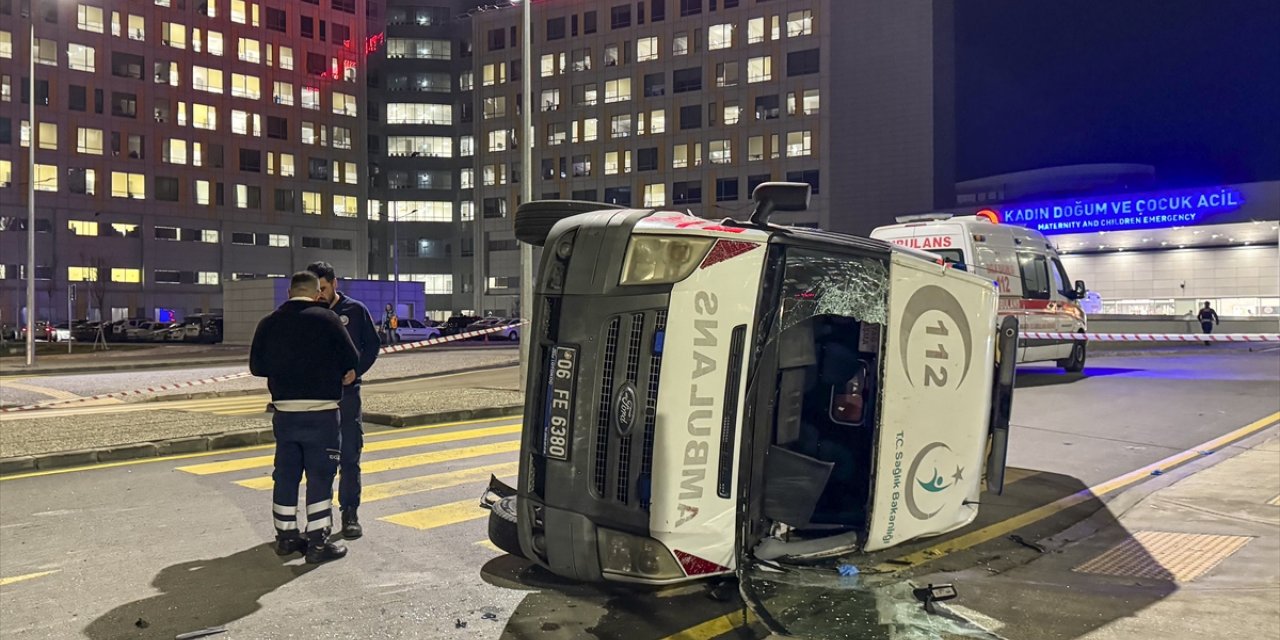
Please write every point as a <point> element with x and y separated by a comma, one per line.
<point>174,332</point>
<point>144,331</point>
<point>202,327</point>
<point>456,324</point>
<point>119,329</point>
<point>62,332</point>
<point>411,330</point>
<point>510,329</point>
<point>45,332</point>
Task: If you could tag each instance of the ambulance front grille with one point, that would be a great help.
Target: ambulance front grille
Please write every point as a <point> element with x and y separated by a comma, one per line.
<point>601,450</point>
<point>624,442</point>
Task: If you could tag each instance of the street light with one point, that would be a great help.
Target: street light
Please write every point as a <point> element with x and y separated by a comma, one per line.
<point>526,181</point>
<point>31,192</point>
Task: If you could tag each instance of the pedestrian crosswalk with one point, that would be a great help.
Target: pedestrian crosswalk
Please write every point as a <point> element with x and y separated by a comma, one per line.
<point>402,488</point>
<point>413,477</point>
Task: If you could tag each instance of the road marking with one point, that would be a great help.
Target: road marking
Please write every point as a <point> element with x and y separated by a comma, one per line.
<point>232,451</point>
<point>12,579</point>
<point>439,515</point>
<point>56,394</point>
<point>1004,527</point>
<point>241,464</point>
<point>714,627</point>
<point>403,462</point>
<point>487,544</point>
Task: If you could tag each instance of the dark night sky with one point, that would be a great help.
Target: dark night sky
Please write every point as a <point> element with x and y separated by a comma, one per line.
<point>1189,86</point>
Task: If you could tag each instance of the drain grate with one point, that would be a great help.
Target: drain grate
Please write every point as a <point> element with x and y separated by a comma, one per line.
<point>1162,555</point>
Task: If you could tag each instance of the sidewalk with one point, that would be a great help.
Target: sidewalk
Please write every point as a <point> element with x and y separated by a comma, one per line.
<point>32,442</point>
<point>1197,559</point>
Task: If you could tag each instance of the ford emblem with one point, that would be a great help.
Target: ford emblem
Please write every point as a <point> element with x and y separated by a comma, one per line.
<point>624,408</point>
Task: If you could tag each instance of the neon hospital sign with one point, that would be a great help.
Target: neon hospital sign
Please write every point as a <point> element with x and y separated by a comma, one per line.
<point>1120,212</point>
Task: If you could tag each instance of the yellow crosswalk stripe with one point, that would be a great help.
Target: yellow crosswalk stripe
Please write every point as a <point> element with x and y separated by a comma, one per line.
<point>486,544</point>
<point>407,486</point>
<point>253,462</point>
<point>439,515</point>
<point>403,462</point>
<point>12,579</point>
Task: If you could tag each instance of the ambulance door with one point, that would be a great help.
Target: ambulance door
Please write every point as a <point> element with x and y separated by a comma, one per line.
<point>1065,308</point>
<point>1037,306</point>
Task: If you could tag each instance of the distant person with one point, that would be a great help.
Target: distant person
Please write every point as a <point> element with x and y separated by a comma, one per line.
<point>306,356</point>
<point>389,325</point>
<point>359,323</point>
<point>1208,318</point>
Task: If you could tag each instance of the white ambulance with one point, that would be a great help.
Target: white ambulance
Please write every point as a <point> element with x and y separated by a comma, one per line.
<point>705,394</point>
<point>1034,286</point>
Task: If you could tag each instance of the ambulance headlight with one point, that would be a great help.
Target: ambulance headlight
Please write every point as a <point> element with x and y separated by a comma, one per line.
<point>662,259</point>
<point>636,556</point>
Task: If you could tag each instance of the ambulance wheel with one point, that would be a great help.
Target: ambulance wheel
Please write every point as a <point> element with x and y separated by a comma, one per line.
<point>1075,362</point>
<point>503,532</point>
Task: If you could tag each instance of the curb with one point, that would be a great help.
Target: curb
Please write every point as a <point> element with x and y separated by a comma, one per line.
<point>200,395</point>
<point>227,440</point>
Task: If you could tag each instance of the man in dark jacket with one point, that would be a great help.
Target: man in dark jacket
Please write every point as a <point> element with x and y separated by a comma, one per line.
<point>1208,318</point>
<point>359,323</point>
<point>306,356</point>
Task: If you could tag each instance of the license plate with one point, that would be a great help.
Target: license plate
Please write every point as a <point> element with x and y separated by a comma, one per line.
<point>559,415</point>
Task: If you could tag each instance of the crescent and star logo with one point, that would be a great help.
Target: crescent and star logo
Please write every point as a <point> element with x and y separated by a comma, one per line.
<point>344,320</point>
<point>624,409</point>
<point>937,455</point>
<point>925,301</point>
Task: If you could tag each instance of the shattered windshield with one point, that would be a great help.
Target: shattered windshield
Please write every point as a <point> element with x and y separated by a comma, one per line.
<point>816,283</point>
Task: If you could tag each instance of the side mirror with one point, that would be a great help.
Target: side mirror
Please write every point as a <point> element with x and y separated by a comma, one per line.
<point>1081,291</point>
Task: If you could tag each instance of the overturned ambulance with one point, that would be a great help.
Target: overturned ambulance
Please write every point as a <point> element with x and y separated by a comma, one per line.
<point>702,394</point>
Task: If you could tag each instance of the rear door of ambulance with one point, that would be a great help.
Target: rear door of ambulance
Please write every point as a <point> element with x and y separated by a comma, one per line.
<point>935,403</point>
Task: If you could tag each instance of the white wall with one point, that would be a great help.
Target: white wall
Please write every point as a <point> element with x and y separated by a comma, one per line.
<point>1208,273</point>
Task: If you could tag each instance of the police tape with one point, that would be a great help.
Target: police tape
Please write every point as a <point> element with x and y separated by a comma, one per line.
<point>1151,337</point>
<point>243,374</point>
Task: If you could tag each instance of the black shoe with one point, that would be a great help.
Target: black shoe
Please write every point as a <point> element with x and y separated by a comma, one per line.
<point>351,528</point>
<point>291,543</point>
<point>324,551</point>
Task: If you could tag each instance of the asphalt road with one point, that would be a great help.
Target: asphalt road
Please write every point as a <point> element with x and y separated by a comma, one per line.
<point>165,546</point>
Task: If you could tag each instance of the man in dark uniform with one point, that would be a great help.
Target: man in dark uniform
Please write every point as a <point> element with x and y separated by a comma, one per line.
<point>306,356</point>
<point>359,323</point>
<point>1208,317</point>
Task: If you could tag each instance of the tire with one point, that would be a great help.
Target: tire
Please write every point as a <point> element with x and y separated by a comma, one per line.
<point>503,532</point>
<point>534,220</point>
<point>514,337</point>
<point>1075,362</point>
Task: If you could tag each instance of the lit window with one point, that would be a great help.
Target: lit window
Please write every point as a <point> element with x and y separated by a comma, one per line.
<point>680,156</point>
<point>174,35</point>
<point>429,146</point>
<point>245,86</point>
<point>204,116</point>
<point>286,58</point>
<point>467,212</point>
<point>6,44</point>
<point>80,57</point>
<point>286,165</point>
<point>89,18</point>
<point>207,277</point>
<point>720,36</point>
<point>493,74</point>
<point>239,122</point>
<point>799,23</point>
<point>341,138</point>
<point>46,177</point>
<point>732,112</point>
<point>610,163</point>
<point>467,178</point>
<point>202,192</point>
<point>6,88</point>
<point>344,104</point>
<point>83,227</point>
<point>238,11</point>
<point>495,107</point>
<point>126,275</point>
<point>620,126</point>
<point>655,195</point>
<point>590,129</point>
<point>466,146</point>
<point>311,203</point>
<point>175,151</point>
<point>420,211</point>
<point>798,144</point>
<point>128,185</point>
<point>250,50</point>
<point>277,240</point>
<point>46,52</point>
<point>497,140</point>
<point>211,8</point>
<point>421,49</point>
<point>6,173</point>
<point>215,43</point>
<point>617,90</point>
<point>647,49</point>
<point>809,102</point>
<point>47,138</point>
<point>755,30</point>
<point>350,173</point>
<point>242,196</point>
<point>550,100</point>
<point>345,206</point>
<point>82,274</point>
<point>755,148</point>
<point>309,133</point>
<point>137,28</point>
<point>680,44</point>
<point>310,97</point>
<point>759,69</point>
<point>282,92</point>
<point>548,67</point>
<point>206,79</point>
<point>209,236</point>
<point>721,152</point>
